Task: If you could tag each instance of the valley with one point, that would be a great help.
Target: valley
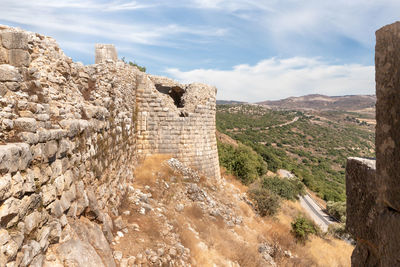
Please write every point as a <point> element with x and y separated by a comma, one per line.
<point>313,144</point>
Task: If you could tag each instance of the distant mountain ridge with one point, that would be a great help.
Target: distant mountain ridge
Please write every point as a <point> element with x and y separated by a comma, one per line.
<point>229,102</point>
<point>323,102</point>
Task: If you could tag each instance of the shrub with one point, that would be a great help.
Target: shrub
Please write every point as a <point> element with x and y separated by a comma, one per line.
<point>141,68</point>
<point>287,188</point>
<point>302,228</point>
<point>267,203</point>
<point>337,210</point>
<point>242,162</point>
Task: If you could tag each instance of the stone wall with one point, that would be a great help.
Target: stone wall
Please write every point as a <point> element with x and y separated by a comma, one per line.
<point>178,120</point>
<point>69,141</point>
<point>105,52</point>
<point>373,199</point>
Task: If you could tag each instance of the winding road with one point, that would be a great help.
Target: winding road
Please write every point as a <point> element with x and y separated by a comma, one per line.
<point>322,219</point>
<point>283,124</point>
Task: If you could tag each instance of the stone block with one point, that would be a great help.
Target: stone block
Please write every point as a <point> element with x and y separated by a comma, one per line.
<point>387,62</point>
<point>19,58</point>
<point>105,52</point>
<point>9,73</point>
<point>15,40</point>
<point>14,157</point>
<point>361,192</point>
<point>26,124</point>
<point>3,55</point>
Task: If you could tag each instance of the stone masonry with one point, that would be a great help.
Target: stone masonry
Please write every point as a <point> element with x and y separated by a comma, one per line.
<point>179,120</point>
<point>373,199</point>
<point>105,52</point>
<point>69,141</point>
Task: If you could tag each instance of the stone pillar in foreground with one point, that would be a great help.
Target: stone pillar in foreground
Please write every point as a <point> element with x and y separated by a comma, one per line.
<point>373,201</point>
<point>105,52</point>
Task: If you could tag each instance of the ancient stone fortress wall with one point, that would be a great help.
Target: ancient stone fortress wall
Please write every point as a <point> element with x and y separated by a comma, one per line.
<point>179,120</point>
<point>373,194</point>
<point>70,137</point>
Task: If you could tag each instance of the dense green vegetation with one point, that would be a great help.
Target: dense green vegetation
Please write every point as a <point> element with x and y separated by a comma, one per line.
<point>267,203</point>
<point>241,161</point>
<point>286,188</point>
<point>337,210</point>
<point>314,147</point>
<point>302,228</point>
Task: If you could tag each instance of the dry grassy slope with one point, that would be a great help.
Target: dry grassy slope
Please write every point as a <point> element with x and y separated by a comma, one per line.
<point>176,218</point>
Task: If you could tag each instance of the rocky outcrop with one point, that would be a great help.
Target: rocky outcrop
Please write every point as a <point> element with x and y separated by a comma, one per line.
<point>373,201</point>
<point>69,141</point>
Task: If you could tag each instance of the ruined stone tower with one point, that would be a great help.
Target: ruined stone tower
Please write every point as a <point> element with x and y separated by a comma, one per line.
<point>104,52</point>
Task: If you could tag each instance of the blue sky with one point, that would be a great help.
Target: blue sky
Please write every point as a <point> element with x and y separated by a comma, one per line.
<point>251,50</point>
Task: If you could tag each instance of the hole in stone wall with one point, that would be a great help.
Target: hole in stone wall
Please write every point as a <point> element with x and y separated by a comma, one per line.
<point>184,114</point>
<point>174,92</point>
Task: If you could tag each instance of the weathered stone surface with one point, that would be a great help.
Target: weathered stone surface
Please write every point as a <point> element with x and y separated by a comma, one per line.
<point>26,124</point>
<point>32,221</point>
<point>8,211</point>
<point>79,142</point>
<point>72,251</point>
<point>50,149</point>
<point>19,58</point>
<point>14,40</point>
<point>3,56</point>
<point>91,233</point>
<point>14,157</point>
<point>49,194</point>
<point>5,186</point>
<point>373,200</point>
<point>30,250</point>
<point>105,52</point>
<point>9,73</point>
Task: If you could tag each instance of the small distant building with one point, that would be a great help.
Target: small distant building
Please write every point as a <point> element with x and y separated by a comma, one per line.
<point>105,52</point>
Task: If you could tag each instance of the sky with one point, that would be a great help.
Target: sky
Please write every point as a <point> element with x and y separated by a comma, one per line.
<point>251,50</point>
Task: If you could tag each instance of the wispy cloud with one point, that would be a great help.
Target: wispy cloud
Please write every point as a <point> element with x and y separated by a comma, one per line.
<point>278,78</point>
<point>57,15</point>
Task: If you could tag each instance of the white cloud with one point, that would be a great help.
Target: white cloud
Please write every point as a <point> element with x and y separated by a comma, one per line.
<point>60,16</point>
<point>280,78</point>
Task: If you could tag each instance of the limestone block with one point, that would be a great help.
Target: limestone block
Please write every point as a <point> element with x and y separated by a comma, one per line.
<point>9,73</point>
<point>49,194</point>
<point>3,55</point>
<point>19,58</point>
<point>50,149</point>
<point>14,157</point>
<point>29,251</point>
<point>32,221</point>
<point>26,124</point>
<point>72,251</point>
<point>5,187</point>
<point>105,52</point>
<point>14,40</point>
<point>28,137</point>
<point>8,211</point>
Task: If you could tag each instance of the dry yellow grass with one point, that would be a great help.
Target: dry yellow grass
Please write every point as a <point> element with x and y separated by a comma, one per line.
<point>213,243</point>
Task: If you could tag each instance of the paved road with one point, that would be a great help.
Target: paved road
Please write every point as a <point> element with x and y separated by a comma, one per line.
<point>322,219</point>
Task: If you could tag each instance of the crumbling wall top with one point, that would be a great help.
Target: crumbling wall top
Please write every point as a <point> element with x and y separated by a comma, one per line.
<point>105,52</point>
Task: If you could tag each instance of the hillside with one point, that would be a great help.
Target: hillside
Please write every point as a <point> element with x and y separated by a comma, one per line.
<point>313,145</point>
<point>356,103</point>
<point>172,216</point>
